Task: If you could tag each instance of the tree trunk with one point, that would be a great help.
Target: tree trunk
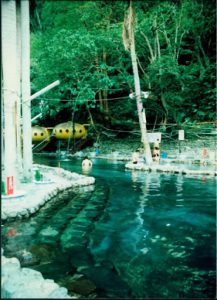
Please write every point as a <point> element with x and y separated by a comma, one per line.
<point>140,109</point>
<point>105,93</point>
<point>164,104</point>
<point>100,93</point>
<point>129,43</point>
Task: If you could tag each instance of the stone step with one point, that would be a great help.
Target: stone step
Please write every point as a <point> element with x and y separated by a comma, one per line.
<point>82,224</point>
<point>61,218</point>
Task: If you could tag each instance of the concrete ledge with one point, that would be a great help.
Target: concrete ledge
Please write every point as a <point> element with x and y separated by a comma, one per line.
<point>16,195</point>
<point>26,283</point>
<point>169,169</point>
<point>38,194</point>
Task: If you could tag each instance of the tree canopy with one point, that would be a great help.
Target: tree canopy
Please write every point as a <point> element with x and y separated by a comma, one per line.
<point>80,43</point>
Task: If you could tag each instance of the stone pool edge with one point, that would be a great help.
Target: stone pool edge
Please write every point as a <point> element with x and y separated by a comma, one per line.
<point>20,282</point>
<point>27,283</point>
<point>169,169</point>
<point>38,194</point>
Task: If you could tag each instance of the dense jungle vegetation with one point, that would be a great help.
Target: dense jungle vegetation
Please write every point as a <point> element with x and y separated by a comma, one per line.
<point>80,43</point>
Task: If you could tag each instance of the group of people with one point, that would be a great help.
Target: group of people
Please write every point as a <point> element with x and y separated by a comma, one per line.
<point>155,153</point>
<point>87,163</point>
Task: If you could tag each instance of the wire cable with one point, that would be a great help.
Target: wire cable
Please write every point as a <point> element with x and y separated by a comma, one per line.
<point>74,100</point>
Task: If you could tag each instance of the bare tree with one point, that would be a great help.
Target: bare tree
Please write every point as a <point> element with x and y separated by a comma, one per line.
<point>129,44</point>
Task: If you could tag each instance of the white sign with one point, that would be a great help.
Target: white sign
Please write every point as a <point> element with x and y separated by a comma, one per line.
<point>145,94</point>
<point>154,137</point>
<point>181,135</point>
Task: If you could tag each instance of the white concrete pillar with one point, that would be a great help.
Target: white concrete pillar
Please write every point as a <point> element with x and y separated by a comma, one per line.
<point>10,87</point>
<point>25,88</point>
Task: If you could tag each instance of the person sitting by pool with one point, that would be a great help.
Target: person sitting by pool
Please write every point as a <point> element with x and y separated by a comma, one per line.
<point>86,163</point>
<point>156,151</point>
<point>135,156</point>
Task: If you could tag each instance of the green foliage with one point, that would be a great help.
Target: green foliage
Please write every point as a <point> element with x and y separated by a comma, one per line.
<point>80,43</point>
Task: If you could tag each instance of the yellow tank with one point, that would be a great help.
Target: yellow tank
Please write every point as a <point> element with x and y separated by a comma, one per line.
<point>40,134</point>
<point>64,131</point>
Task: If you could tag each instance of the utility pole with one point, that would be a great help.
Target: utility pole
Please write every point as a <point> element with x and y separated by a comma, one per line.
<point>25,89</point>
<point>129,43</point>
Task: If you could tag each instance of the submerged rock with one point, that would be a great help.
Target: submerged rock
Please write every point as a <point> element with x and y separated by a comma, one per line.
<point>107,280</point>
<point>49,231</point>
<point>43,251</point>
<point>82,286</point>
<point>26,258</point>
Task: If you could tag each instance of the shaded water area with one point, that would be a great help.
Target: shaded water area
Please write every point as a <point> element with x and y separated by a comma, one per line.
<point>131,235</point>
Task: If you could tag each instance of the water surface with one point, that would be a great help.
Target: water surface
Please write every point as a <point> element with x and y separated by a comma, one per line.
<point>131,235</point>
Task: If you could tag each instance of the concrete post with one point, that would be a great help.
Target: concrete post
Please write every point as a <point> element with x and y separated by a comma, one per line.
<point>10,89</point>
<point>25,88</point>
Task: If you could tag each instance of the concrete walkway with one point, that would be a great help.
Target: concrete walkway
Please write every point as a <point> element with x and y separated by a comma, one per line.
<point>55,181</point>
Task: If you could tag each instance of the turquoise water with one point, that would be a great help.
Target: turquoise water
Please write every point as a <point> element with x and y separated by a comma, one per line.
<point>132,235</point>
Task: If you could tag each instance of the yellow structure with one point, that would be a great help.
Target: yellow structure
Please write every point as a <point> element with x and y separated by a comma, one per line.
<point>61,131</point>
<point>64,131</point>
<point>40,134</point>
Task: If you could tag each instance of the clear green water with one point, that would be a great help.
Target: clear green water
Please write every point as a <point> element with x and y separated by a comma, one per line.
<point>132,235</point>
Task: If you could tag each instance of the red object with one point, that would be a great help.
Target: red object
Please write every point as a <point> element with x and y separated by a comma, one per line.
<point>10,185</point>
<point>11,232</point>
<point>204,152</point>
<point>203,178</point>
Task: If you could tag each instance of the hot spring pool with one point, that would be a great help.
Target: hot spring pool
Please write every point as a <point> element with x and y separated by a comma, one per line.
<point>132,235</point>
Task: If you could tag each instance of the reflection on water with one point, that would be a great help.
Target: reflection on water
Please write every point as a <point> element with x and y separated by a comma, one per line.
<point>132,235</point>
<point>86,171</point>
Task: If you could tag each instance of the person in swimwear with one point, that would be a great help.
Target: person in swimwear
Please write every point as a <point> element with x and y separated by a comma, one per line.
<point>86,163</point>
<point>156,151</point>
<point>135,156</point>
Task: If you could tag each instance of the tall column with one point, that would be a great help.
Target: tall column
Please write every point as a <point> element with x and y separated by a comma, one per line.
<point>10,85</point>
<point>3,129</point>
<point>25,88</point>
<point>18,119</point>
